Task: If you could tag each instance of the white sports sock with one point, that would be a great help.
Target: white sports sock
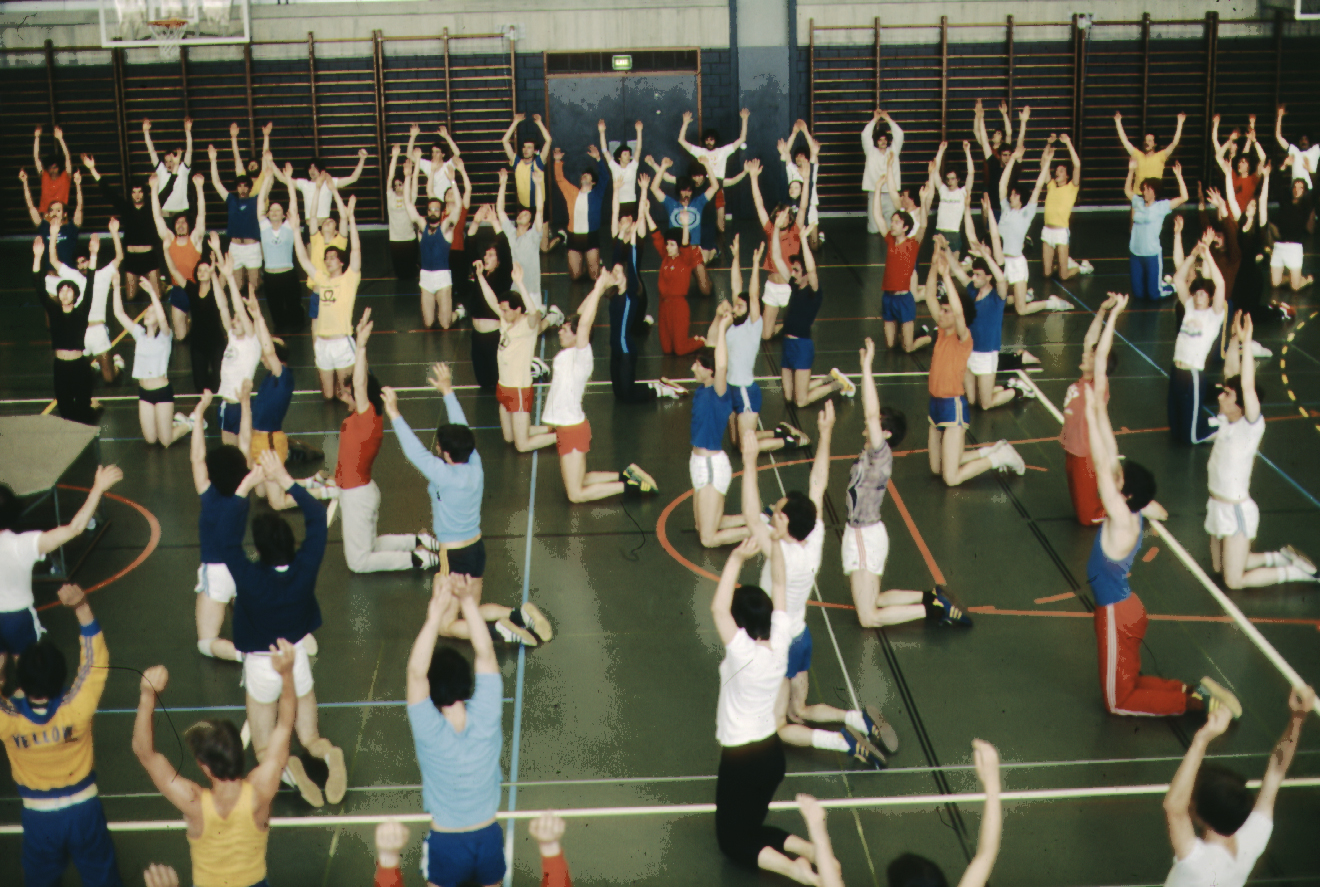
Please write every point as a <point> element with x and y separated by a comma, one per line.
<point>1292,573</point>
<point>1276,559</point>
<point>855,720</point>
<point>828,739</point>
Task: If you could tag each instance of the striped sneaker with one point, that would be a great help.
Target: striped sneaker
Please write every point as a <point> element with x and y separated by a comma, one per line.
<point>863,750</point>
<point>427,541</point>
<point>1216,694</point>
<point>846,386</point>
<point>881,731</point>
<point>536,622</point>
<point>510,633</point>
<point>425,559</point>
<point>639,480</point>
<point>1297,559</point>
<point>941,610</point>
<point>555,315</point>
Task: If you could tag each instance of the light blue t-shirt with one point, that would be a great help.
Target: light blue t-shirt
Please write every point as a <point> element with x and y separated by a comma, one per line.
<point>455,490</point>
<point>276,245</point>
<point>461,771</point>
<point>744,341</point>
<point>1147,223</point>
<point>1013,226</point>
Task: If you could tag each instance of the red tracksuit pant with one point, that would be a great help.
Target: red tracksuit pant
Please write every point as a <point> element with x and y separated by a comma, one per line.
<point>675,321</point>
<point>1082,488</point>
<point>1119,629</point>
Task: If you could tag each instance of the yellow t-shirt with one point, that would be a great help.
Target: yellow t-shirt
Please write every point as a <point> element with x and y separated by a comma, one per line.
<point>317,246</point>
<point>337,296</point>
<point>1150,166</point>
<point>58,754</point>
<point>1059,204</point>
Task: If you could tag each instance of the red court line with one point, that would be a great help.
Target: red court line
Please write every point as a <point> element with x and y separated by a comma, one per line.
<point>137,561</point>
<point>916,534</point>
<point>992,610</point>
<point>1055,598</point>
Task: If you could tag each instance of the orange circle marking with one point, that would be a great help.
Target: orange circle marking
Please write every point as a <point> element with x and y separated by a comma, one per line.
<point>137,561</point>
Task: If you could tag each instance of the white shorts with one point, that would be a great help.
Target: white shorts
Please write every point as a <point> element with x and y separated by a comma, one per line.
<point>865,548</point>
<point>775,294</point>
<point>1054,236</point>
<point>1224,519</point>
<point>1287,255</point>
<point>214,581</point>
<point>434,281</point>
<point>1015,269</point>
<point>263,683</point>
<point>983,363</point>
<point>96,340</point>
<point>711,471</point>
<point>246,255</point>
<point>337,353</point>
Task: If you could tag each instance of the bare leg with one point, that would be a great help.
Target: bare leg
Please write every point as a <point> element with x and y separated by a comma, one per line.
<point>1021,304</point>
<point>327,378</point>
<point>798,870</point>
<point>1047,259</point>
<point>1245,569</point>
<point>210,618</point>
<point>428,309</point>
<point>809,390</point>
<point>574,265</point>
<point>909,343</point>
<point>587,486</point>
<point>955,471</point>
<point>147,419</point>
<point>786,381</point>
<point>444,298</point>
<point>526,436</point>
<point>179,321</point>
<point>1066,267</point>
<point>769,314</point>
<point>891,333</point>
<point>992,395</point>
<point>714,527</point>
<point>342,392</point>
<point>876,609</point>
<point>593,263</point>
<point>1276,275</point>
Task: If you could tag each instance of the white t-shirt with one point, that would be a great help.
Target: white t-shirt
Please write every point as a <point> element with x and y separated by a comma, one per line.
<point>401,225</point>
<point>240,361</point>
<point>719,157</point>
<point>176,201</point>
<point>101,282</point>
<point>1197,336</point>
<point>316,196</point>
<point>1233,455</point>
<point>18,555</point>
<point>526,251</point>
<point>438,184</point>
<point>1300,159</point>
<point>1211,865</point>
<point>949,217</point>
<point>750,677</point>
<point>625,178</point>
<point>151,356</point>
<point>801,564</point>
<point>568,382</point>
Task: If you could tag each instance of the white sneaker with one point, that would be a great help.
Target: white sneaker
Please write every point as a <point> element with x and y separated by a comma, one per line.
<point>1054,303</point>
<point>1259,350</point>
<point>427,541</point>
<point>332,512</point>
<point>648,320</point>
<point>1086,267</point>
<point>663,390</point>
<point>245,735</point>
<point>1024,390</point>
<point>118,361</point>
<point>1013,460</point>
<point>846,386</point>
<point>460,312</point>
<point>1030,293</point>
<point>1299,560</point>
<point>555,315</point>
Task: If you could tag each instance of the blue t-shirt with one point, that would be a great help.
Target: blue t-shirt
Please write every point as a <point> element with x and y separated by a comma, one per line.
<point>271,401</point>
<point>434,249</point>
<point>243,217</point>
<point>1147,222</point>
<point>988,327</point>
<point>461,771</point>
<point>1108,578</point>
<point>221,525</point>
<point>677,213</point>
<point>710,417</point>
<point>455,490</point>
<point>803,304</point>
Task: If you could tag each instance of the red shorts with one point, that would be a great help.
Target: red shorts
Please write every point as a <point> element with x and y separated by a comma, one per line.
<point>719,197</point>
<point>573,437</point>
<point>515,400</point>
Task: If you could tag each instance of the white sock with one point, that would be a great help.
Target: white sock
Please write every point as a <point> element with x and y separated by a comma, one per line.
<point>855,720</point>
<point>1292,573</point>
<point>828,739</point>
<point>1276,559</point>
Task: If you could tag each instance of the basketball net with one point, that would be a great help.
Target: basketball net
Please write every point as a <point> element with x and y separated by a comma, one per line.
<point>168,33</point>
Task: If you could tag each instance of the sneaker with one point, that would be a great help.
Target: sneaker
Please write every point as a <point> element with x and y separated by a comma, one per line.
<point>678,389</point>
<point>648,320</point>
<point>555,315</point>
<point>1297,559</point>
<point>319,486</point>
<point>424,559</point>
<point>663,390</point>
<point>639,479</point>
<point>1215,695</point>
<point>118,361</point>
<point>245,734</point>
<point>296,775</point>
<point>863,750</point>
<point>1086,267</point>
<point>1023,389</point>
<point>336,784</point>
<point>846,386</point>
<point>540,370</point>
<point>534,620</point>
<point>183,421</point>
<point>513,634</point>
<point>1030,293</point>
<point>1054,303</point>
<point>880,730</point>
<point>1260,351</point>
<point>460,312</point>
<point>309,645</point>
<point>941,610</point>
<point>332,512</point>
<point>1010,459</point>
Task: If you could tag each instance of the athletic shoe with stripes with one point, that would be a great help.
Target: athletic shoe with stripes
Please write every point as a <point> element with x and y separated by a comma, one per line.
<point>510,633</point>
<point>1216,695</point>
<point>881,731</point>
<point>863,750</point>
<point>536,622</point>
<point>638,479</point>
<point>941,610</point>
<point>846,386</point>
<point>1297,559</point>
<point>555,315</point>
<point>427,541</point>
<point>663,390</point>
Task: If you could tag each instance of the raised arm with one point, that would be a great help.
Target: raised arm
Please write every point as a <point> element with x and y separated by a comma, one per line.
<point>682,134</point>
<point>1076,160</point>
<point>955,302</point>
<point>267,182</point>
<point>151,148</point>
<point>721,604</point>
<point>454,153</point>
<point>265,777</point>
<point>183,793</point>
<point>106,477</point>
<point>1005,178</point>
<point>1120,517</point>
<point>215,170</point>
<point>754,287</point>
<point>479,267</point>
<point>776,249</point>
<point>197,443</point>
<point>1177,135</point>
<point>418,686</point>
<point>971,167</point>
<point>1023,116</point>
<point>545,134</point>
<point>466,590</point>
<point>930,292</point>
<point>233,149</point>
<point>978,129</point>
<point>1178,799</point>
<point>27,197</point>
<point>753,168</point>
<point>1250,399</point>
<point>355,174</point>
<point>199,227</point>
<point>187,142</point>
<point>1116,302</point>
<point>77,198</point>
<point>117,300</point>
<point>349,214</point>
<point>467,182</point>
<point>986,759</point>
<point>1122,136</point>
<point>870,395</point>
<point>506,141</point>
<point>587,310</point>
<point>722,324</point>
<point>1129,184</point>
<point>1178,201</point>
<point>1301,702</point>
<point>36,151</point>
<point>819,478</point>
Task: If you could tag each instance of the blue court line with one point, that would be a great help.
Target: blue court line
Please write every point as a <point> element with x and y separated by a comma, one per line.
<point>1277,470</point>
<point>514,746</point>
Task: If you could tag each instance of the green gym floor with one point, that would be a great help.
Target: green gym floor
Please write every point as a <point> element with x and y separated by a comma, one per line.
<point>618,710</point>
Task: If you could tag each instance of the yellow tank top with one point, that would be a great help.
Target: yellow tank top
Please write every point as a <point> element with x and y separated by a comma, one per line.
<point>1150,166</point>
<point>231,851</point>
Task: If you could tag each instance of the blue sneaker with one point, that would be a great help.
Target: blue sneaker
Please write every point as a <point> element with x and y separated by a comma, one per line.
<point>863,750</point>
<point>942,610</point>
<point>880,730</point>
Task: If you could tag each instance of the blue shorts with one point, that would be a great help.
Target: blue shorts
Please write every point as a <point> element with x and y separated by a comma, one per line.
<point>230,415</point>
<point>19,629</point>
<point>453,858</point>
<point>946,411</point>
<point>799,654</point>
<point>179,298</point>
<point>746,400</point>
<point>898,307</point>
<point>51,837</point>
<point>798,353</point>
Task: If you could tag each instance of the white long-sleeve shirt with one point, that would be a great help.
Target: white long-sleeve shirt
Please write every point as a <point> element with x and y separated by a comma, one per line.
<point>879,162</point>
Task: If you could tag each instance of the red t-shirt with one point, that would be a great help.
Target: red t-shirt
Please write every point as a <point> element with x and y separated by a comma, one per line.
<point>1244,189</point>
<point>460,230</point>
<point>53,189</point>
<point>360,438</point>
<point>676,271</point>
<point>790,244</point>
<point>899,262</point>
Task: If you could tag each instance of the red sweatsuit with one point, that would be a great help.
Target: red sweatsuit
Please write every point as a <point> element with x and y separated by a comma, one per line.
<point>1119,629</point>
<point>675,319</point>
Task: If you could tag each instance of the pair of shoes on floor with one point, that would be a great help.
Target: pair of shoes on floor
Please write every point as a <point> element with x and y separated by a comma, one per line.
<point>526,625</point>
<point>1003,456</point>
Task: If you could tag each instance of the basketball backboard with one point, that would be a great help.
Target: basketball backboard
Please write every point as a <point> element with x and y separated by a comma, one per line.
<point>169,24</point>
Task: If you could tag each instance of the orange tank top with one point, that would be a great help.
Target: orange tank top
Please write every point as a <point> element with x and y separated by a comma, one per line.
<point>231,851</point>
<point>185,257</point>
<point>948,363</point>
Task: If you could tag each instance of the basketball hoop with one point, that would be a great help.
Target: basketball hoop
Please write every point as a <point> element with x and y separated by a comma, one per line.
<point>168,33</point>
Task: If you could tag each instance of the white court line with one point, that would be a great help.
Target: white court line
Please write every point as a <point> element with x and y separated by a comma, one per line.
<point>1028,795</point>
<point>1253,634</point>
